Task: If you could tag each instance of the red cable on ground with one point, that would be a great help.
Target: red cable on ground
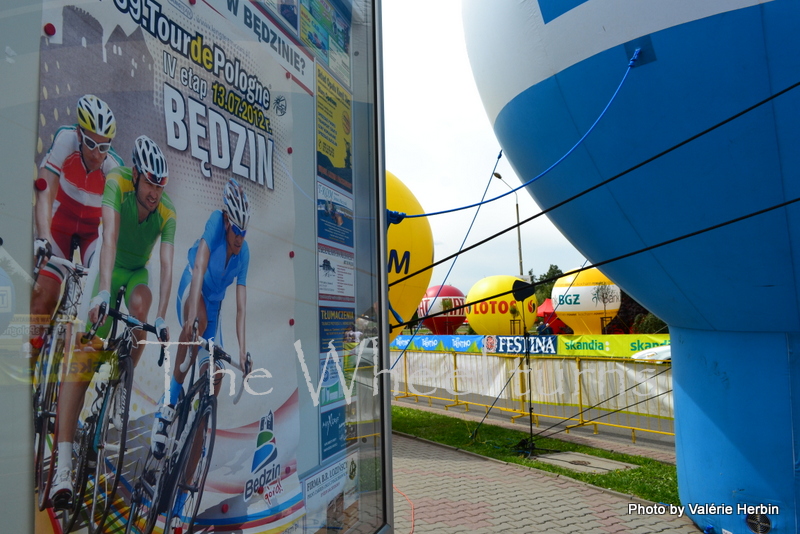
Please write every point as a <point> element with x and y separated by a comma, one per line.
<point>410,503</point>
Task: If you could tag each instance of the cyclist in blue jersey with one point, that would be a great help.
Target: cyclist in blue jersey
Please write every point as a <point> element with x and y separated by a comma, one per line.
<point>218,258</point>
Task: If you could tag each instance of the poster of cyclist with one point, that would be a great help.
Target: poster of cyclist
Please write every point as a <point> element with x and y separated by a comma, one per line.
<point>164,161</point>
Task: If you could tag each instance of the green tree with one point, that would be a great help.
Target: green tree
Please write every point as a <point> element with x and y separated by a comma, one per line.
<point>633,318</point>
<point>414,323</point>
<point>544,290</point>
<point>649,324</point>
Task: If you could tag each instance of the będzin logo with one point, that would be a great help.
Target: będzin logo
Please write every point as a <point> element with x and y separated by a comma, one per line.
<point>266,473</point>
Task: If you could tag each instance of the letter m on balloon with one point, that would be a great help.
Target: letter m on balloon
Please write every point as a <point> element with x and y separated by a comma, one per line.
<point>399,264</point>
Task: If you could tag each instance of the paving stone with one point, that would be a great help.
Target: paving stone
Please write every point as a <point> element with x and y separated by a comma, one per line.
<point>455,492</point>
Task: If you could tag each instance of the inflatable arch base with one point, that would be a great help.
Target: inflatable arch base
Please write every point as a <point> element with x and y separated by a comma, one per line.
<point>737,422</point>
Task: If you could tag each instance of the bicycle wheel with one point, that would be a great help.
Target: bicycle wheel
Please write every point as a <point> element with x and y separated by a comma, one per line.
<point>46,420</point>
<point>143,512</point>
<point>109,446</point>
<point>85,460</point>
<point>152,483</point>
<point>146,495</point>
<point>40,376</point>
<point>191,470</point>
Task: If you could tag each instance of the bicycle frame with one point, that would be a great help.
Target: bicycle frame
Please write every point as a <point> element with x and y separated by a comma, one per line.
<point>66,313</point>
<point>51,366</point>
<point>105,430</point>
<point>163,481</point>
<point>185,412</point>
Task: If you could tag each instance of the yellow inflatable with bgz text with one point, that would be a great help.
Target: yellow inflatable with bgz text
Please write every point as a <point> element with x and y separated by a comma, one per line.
<point>586,301</point>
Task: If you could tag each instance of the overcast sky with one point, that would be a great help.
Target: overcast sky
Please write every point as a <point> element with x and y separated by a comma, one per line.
<point>440,143</point>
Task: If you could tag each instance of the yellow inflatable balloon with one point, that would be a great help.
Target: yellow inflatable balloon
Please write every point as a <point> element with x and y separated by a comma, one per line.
<point>501,316</point>
<point>410,245</point>
<point>586,301</point>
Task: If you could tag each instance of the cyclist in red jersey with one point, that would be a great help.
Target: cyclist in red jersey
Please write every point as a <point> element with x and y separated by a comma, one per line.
<point>69,193</point>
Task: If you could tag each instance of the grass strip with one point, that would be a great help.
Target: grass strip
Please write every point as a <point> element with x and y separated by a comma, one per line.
<point>653,480</point>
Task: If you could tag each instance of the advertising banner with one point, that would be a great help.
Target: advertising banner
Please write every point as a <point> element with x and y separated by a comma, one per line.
<point>164,146</point>
<point>336,274</point>
<point>472,344</point>
<point>333,430</point>
<point>334,132</point>
<point>617,346</point>
<point>334,324</point>
<point>325,29</point>
<point>520,344</point>
<point>477,344</point>
<point>285,9</point>
<point>334,215</point>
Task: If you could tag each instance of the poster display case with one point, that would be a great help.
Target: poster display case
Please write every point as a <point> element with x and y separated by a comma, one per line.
<point>207,177</point>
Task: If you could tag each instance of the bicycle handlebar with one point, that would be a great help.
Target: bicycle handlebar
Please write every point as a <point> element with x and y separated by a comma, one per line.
<point>129,320</point>
<point>40,255</point>
<point>219,353</point>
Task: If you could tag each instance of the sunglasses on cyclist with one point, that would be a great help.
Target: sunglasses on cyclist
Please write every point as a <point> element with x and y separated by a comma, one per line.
<point>160,181</point>
<point>237,231</point>
<point>91,144</point>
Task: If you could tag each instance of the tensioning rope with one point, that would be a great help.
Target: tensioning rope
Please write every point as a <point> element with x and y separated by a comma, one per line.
<point>618,258</point>
<point>631,63</point>
<point>611,412</point>
<point>441,286</point>
<point>566,419</point>
<point>603,183</point>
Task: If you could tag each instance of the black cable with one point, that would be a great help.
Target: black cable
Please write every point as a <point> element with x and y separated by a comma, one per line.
<point>441,286</point>
<point>605,182</point>
<point>617,258</point>
<point>613,412</point>
<point>475,432</point>
<point>605,262</point>
<point>598,404</point>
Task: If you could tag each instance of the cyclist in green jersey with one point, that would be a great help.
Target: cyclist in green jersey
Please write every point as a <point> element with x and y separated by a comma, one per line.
<point>136,213</point>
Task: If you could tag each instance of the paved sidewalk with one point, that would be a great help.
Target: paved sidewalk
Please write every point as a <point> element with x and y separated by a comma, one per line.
<point>455,492</point>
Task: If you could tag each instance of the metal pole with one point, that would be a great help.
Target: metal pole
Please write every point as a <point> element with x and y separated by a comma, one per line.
<point>519,240</point>
<point>519,232</point>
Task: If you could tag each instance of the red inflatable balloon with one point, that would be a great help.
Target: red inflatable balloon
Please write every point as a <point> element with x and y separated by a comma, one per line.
<point>448,297</point>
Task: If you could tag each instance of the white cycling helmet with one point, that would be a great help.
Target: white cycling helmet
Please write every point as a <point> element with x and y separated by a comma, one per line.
<point>236,205</point>
<point>95,116</point>
<point>150,161</point>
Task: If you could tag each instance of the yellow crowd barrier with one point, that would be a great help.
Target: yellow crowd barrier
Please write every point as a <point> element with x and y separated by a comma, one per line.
<point>581,391</point>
